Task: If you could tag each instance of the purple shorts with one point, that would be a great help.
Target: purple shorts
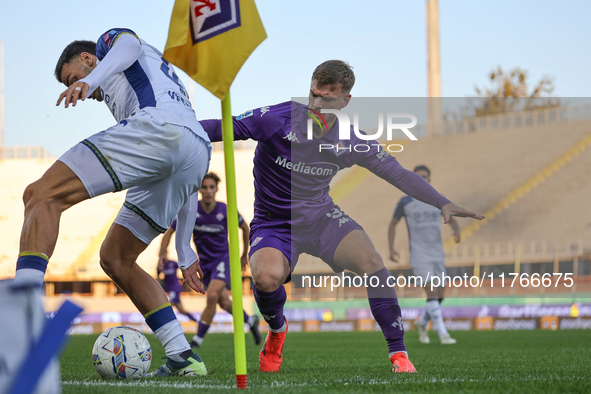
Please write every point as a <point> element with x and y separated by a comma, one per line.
<point>320,240</point>
<point>174,292</point>
<point>219,269</point>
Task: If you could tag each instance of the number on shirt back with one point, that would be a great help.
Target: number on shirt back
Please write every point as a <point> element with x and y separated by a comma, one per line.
<point>221,268</point>
<point>169,72</point>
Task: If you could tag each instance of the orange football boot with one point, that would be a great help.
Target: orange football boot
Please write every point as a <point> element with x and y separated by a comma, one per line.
<point>271,354</point>
<point>401,363</point>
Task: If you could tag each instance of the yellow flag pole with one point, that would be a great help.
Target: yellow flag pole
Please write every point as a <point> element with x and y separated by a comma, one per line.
<point>235,266</point>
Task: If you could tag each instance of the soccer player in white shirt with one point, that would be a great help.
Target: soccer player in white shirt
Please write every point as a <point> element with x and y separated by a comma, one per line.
<point>157,150</point>
<point>427,257</point>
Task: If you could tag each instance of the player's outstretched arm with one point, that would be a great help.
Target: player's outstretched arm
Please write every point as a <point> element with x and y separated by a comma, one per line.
<point>213,128</point>
<point>450,209</point>
<point>250,125</point>
<point>388,168</point>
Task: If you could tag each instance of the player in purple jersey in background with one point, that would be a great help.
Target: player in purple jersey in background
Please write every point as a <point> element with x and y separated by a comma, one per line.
<point>294,213</point>
<point>172,285</point>
<point>210,235</point>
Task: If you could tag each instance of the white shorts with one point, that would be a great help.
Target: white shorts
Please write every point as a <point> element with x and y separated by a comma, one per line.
<point>161,165</point>
<point>428,270</point>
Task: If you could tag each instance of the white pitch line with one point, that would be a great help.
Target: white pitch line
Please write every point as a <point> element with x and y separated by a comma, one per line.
<point>195,384</point>
<point>143,383</point>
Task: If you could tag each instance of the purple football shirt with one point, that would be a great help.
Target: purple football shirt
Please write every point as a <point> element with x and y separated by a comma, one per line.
<point>210,234</point>
<point>291,175</point>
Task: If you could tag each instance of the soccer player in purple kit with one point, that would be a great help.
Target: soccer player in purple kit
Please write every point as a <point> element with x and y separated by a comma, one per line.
<point>210,235</point>
<point>294,213</point>
<point>172,285</point>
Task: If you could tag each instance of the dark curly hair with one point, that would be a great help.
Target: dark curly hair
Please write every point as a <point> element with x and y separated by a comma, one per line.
<point>73,50</point>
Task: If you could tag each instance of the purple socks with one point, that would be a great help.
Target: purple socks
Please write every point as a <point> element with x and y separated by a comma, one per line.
<point>385,309</point>
<point>271,306</point>
<point>202,329</point>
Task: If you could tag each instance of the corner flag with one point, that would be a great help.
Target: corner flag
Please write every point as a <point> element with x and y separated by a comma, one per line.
<point>211,39</point>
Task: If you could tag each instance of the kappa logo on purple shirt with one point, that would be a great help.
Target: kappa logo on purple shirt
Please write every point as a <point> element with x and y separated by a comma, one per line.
<point>291,137</point>
<point>209,18</point>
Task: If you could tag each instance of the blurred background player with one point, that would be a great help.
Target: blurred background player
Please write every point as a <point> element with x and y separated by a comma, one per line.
<point>172,285</point>
<point>210,235</point>
<point>427,257</point>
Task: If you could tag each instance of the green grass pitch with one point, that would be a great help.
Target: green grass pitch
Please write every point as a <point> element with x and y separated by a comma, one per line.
<point>509,361</point>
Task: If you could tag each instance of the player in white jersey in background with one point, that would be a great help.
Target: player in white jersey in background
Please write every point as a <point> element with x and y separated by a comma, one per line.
<point>157,150</point>
<point>427,257</point>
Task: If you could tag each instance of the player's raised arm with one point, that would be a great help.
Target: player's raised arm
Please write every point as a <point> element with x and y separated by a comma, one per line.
<point>388,168</point>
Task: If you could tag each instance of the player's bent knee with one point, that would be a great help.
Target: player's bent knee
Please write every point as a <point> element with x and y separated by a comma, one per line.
<point>107,267</point>
<point>268,284</point>
<point>376,263</point>
<point>110,264</point>
<point>28,194</point>
<point>212,297</point>
<point>35,196</point>
<point>373,263</point>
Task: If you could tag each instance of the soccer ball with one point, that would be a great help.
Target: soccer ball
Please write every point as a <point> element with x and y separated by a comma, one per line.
<point>122,353</point>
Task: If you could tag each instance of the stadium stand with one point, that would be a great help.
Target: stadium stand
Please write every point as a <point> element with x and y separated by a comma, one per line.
<point>534,170</point>
<point>77,228</point>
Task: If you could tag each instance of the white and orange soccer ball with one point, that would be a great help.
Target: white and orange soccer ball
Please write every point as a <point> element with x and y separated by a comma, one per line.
<point>122,353</point>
